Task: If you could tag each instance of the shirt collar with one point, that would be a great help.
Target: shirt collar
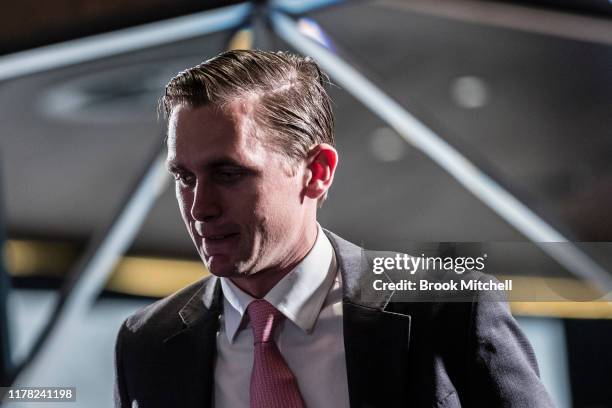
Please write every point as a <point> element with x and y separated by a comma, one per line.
<point>299,295</point>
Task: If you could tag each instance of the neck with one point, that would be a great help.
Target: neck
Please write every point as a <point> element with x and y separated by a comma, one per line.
<point>260,283</point>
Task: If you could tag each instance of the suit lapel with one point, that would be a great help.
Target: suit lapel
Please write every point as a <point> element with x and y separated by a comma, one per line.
<point>375,340</point>
<point>194,346</point>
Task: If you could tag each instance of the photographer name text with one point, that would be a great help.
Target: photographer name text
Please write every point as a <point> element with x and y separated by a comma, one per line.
<point>451,285</point>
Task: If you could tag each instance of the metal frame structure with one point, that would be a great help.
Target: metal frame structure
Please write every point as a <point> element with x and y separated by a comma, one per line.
<point>87,279</point>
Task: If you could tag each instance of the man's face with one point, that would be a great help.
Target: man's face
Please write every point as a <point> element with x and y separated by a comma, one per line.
<point>242,207</point>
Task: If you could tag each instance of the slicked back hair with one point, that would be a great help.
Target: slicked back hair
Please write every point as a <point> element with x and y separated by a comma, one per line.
<point>286,91</point>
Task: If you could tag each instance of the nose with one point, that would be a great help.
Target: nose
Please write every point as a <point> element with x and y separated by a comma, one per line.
<point>206,205</point>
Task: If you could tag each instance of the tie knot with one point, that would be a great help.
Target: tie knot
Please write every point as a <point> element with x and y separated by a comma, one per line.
<point>264,320</point>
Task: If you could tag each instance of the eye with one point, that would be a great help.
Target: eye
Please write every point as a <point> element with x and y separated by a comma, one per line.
<point>228,176</point>
<point>184,179</point>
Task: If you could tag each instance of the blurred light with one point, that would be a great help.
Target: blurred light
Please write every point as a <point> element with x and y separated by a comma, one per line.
<point>387,145</point>
<point>242,40</point>
<point>154,277</point>
<point>312,30</point>
<point>563,309</point>
<point>32,258</point>
<point>302,6</point>
<point>121,94</point>
<point>139,276</point>
<point>469,92</point>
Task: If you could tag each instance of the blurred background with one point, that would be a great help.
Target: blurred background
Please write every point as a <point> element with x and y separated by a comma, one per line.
<point>519,90</point>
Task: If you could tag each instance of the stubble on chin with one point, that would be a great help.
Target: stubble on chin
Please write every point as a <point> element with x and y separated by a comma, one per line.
<point>254,255</point>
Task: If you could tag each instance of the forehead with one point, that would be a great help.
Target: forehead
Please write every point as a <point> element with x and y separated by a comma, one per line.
<point>207,133</point>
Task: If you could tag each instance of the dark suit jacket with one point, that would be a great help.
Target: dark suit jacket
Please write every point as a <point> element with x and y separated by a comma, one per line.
<point>398,354</point>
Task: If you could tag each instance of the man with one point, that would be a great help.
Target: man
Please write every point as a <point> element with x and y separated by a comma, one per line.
<point>283,320</point>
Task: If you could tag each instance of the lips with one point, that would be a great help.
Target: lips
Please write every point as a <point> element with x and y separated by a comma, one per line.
<point>219,237</point>
<point>219,244</point>
<point>216,237</point>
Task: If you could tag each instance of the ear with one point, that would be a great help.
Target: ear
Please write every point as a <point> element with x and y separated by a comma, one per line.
<point>321,167</point>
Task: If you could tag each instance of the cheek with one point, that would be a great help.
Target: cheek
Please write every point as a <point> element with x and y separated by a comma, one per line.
<point>289,193</point>
<point>184,200</point>
<point>281,201</point>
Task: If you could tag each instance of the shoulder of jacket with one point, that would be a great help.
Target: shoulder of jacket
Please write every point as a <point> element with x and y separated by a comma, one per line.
<point>163,312</point>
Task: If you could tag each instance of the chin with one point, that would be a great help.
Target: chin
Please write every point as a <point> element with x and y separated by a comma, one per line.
<point>224,266</point>
<point>219,265</point>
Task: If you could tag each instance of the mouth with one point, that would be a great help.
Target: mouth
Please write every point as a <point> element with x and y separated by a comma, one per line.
<point>219,237</point>
<point>220,244</point>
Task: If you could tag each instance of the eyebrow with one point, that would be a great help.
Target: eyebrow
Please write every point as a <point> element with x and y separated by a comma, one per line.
<point>173,166</point>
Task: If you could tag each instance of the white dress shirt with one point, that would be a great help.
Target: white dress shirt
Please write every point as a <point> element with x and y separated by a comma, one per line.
<point>310,339</point>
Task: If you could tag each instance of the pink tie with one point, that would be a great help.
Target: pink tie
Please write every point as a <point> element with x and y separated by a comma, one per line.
<point>273,385</point>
